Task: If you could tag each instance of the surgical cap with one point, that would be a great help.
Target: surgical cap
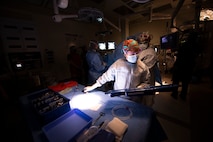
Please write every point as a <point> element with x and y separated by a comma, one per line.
<point>144,37</point>
<point>131,45</point>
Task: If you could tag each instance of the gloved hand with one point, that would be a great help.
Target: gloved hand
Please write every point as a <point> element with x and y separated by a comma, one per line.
<point>90,88</point>
<point>143,85</point>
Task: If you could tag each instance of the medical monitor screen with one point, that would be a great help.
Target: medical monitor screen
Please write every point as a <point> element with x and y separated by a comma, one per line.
<point>111,45</point>
<point>169,41</point>
<point>102,45</point>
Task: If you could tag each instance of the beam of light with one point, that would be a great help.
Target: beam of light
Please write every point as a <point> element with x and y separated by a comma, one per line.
<point>86,101</point>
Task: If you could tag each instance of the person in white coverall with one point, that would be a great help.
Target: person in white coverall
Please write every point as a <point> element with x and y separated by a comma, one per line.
<point>127,72</point>
<point>149,57</point>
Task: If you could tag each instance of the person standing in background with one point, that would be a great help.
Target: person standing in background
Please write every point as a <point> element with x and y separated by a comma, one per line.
<point>75,64</point>
<point>96,65</point>
<point>85,65</point>
<point>149,57</point>
<point>185,63</point>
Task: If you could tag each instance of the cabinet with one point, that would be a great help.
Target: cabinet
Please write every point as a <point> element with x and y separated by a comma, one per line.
<point>20,45</point>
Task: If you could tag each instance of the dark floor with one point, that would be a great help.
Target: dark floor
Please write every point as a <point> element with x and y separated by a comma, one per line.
<point>200,100</point>
<point>14,125</point>
<point>201,104</point>
<point>187,120</point>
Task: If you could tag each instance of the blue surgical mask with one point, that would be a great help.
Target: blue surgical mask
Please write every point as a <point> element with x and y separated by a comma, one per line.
<point>132,58</point>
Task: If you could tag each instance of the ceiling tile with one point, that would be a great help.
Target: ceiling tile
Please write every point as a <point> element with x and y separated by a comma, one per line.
<point>123,10</point>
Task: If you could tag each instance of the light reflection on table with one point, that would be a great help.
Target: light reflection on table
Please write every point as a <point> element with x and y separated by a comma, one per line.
<point>142,125</point>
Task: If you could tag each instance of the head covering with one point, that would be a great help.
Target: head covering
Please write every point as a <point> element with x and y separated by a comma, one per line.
<point>131,45</point>
<point>93,44</point>
<point>144,37</point>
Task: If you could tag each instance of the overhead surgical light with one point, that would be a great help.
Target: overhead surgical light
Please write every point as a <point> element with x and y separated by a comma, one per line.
<point>90,15</point>
<point>141,1</point>
<point>86,14</point>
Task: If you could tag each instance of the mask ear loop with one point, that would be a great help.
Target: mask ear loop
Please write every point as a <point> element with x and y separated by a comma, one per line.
<point>124,47</point>
<point>124,51</point>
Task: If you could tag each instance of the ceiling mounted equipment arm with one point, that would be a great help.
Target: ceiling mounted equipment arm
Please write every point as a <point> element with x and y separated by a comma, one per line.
<point>116,27</point>
<point>61,4</point>
<point>179,5</point>
<point>55,6</point>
